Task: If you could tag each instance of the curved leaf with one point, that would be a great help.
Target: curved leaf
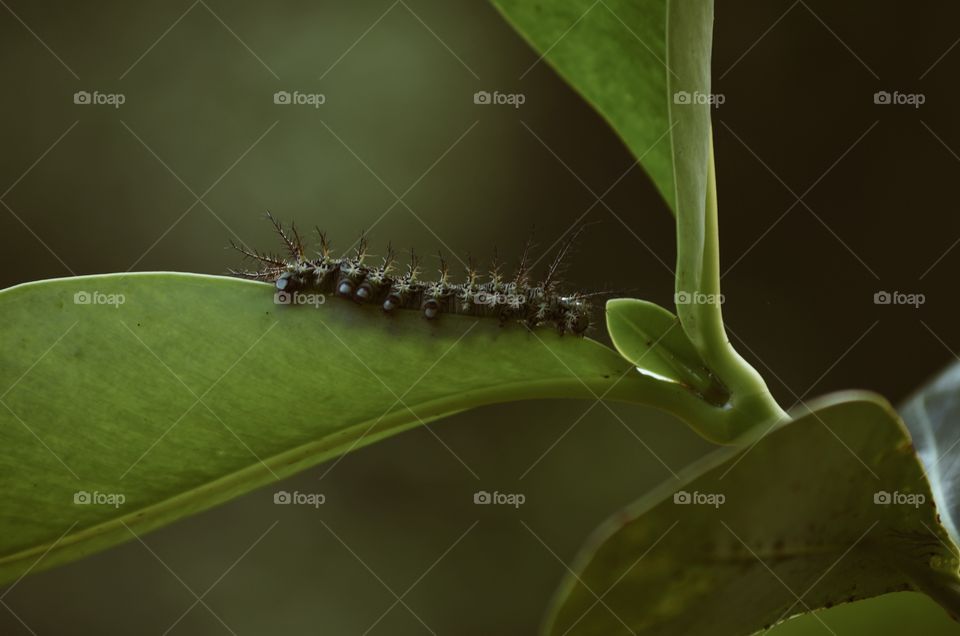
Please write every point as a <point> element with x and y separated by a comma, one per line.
<point>829,508</point>
<point>646,334</point>
<point>933,417</point>
<point>148,397</point>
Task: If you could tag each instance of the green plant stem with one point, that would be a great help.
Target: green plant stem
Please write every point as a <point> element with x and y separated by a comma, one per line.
<point>751,402</point>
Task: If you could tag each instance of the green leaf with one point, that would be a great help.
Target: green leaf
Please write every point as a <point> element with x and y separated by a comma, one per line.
<point>932,415</point>
<point>195,389</point>
<point>794,523</point>
<point>614,54</point>
<point>651,337</point>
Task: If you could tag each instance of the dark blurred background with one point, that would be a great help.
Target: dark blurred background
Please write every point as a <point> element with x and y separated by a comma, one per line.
<point>90,188</point>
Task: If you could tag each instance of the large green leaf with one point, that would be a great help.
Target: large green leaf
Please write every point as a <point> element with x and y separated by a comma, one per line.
<point>195,389</point>
<point>829,508</point>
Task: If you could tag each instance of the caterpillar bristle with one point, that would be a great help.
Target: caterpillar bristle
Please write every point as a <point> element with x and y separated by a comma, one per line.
<point>265,258</point>
<point>361,249</point>
<point>297,241</point>
<point>324,244</point>
<point>471,272</point>
<point>413,269</point>
<point>556,268</point>
<point>533,305</point>
<point>522,276</point>
<point>294,245</point>
<point>496,277</point>
<point>444,270</point>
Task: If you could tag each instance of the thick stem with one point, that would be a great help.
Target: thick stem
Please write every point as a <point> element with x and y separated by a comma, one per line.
<point>751,401</point>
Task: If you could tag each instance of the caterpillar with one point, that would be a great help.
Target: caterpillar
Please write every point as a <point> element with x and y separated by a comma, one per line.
<point>514,299</point>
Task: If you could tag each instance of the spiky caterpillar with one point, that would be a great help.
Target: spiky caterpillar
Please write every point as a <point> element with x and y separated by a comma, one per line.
<point>514,300</point>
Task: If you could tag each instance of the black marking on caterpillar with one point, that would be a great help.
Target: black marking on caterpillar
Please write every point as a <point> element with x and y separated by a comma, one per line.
<point>515,299</point>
